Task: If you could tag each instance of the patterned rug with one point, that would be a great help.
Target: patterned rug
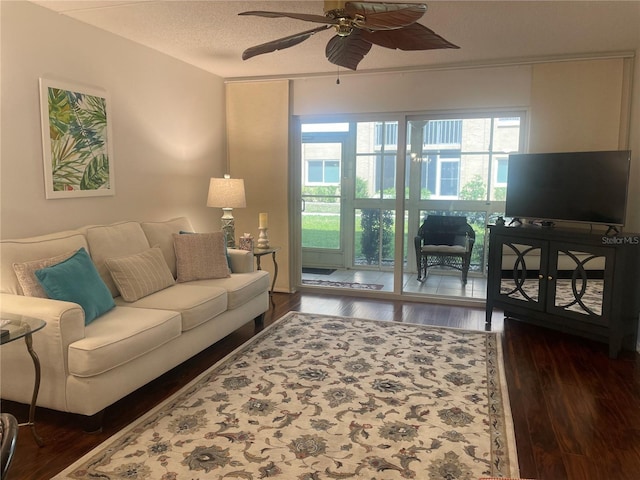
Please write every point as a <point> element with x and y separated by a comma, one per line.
<point>315,397</point>
<point>355,285</point>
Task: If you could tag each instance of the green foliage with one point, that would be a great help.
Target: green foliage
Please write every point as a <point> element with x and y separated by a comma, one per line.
<point>321,190</point>
<point>473,190</point>
<point>377,230</point>
<point>96,174</point>
<point>500,194</point>
<point>362,190</point>
<point>370,224</point>
<point>77,129</point>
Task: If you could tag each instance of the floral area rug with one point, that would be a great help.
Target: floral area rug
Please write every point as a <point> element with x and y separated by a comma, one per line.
<point>316,397</point>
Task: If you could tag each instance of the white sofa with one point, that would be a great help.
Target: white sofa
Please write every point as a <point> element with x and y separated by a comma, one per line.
<point>86,368</point>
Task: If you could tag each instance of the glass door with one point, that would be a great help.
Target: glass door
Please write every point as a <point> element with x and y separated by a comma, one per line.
<point>322,219</point>
<point>347,219</point>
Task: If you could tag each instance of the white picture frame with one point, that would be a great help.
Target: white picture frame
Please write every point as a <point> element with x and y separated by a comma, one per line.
<point>76,140</point>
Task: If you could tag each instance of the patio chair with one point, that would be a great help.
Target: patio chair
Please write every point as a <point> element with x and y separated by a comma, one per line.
<point>444,241</point>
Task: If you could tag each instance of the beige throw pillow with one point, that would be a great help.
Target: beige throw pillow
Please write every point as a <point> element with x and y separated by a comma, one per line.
<point>200,256</point>
<point>140,274</point>
<point>26,273</point>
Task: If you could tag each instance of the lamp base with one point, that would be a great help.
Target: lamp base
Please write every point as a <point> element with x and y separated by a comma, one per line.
<point>229,227</point>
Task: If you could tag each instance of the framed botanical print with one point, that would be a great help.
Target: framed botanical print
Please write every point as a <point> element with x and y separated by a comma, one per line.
<point>76,140</point>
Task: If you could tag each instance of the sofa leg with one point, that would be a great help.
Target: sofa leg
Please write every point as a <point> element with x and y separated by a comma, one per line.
<point>259,321</point>
<point>92,423</point>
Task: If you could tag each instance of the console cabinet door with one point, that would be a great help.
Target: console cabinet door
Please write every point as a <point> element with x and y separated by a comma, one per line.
<point>580,280</point>
<point>523,271</point>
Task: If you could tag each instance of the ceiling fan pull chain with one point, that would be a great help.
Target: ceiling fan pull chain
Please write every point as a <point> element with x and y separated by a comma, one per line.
<point>338,73</point>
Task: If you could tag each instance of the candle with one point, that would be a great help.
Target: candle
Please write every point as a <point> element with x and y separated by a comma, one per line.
<point>263,220</point>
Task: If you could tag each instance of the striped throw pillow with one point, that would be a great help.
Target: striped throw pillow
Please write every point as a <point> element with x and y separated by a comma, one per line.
<point>141,274</point>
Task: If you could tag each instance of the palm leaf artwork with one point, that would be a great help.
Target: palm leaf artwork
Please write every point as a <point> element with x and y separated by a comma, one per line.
<point>78,134</point>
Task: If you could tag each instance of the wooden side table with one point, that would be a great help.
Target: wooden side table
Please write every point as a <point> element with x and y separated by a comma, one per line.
<point>258,253</point>
<point>19,326</point>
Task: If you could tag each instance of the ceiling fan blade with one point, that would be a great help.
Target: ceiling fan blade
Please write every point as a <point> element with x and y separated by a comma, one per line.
<point>412,37</point>
<point>281,43</point>
<point>298,16</point>
<point>347,51</point>
<point>385,16</point>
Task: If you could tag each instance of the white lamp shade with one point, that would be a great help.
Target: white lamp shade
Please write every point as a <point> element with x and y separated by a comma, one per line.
<point>226,193</point>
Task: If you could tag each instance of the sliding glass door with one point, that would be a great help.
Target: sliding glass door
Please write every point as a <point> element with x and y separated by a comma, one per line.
<point>362,179</point>
<point>347,193</point>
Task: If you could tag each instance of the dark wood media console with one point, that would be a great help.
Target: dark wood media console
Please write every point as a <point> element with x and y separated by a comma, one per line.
<point>569,280</point>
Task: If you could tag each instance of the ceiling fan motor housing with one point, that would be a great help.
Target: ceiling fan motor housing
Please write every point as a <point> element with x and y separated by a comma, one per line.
<point>344,27</point>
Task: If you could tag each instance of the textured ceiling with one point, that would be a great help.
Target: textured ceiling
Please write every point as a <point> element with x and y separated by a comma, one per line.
<point>211,35</point>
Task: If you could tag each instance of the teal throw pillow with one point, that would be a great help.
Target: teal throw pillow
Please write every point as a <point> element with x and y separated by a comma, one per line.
<point>77,280</point>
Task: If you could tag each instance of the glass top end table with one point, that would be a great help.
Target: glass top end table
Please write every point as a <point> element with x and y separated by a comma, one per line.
<point>14,327</point>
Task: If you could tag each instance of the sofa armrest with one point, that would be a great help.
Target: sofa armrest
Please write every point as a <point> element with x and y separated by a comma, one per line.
<point>241,260</point>
<point>65,325</point>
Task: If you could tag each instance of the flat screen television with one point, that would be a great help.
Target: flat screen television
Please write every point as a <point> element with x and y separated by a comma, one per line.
<point>588,187</point>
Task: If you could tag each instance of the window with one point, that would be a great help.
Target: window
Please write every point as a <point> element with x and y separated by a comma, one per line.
<point>448,178</point>
<point>323,172</point>
<point>508,122</point>
<point>376,159</point>
<point>501,171</point>
<point>463,158</point>
<point>386,133</point>
<point>443,133</point>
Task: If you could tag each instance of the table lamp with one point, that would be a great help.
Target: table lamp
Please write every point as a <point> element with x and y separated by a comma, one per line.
<point>227,193</point>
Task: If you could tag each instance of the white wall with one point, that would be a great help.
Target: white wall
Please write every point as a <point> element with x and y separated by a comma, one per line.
<point>168,123</point>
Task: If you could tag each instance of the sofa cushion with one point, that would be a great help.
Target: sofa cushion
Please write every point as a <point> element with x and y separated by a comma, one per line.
<point>140,274</point>
<point>77,280</point>
<point>160,234</point>
<point>119,336</point>
<point>453,249</point>
<point>200,256</point>
<point>114,240</point>
<point>196,304</point>
<point>34,248</point>
<point>240,287</point>
<point>27,277</point>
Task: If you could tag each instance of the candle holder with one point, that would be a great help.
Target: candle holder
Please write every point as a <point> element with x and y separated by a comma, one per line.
<point>263,238</point>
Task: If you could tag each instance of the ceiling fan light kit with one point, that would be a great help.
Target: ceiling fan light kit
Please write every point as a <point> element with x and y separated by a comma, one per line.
<point>358,26</point>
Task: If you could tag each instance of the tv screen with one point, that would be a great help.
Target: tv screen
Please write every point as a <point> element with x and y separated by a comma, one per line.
<point>577,186</point>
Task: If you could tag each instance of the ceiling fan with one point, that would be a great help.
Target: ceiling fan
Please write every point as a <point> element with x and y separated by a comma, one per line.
<point>358,25</point>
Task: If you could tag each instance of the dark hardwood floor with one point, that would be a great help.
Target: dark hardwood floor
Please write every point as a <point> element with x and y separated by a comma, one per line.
<point>576,411</point>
